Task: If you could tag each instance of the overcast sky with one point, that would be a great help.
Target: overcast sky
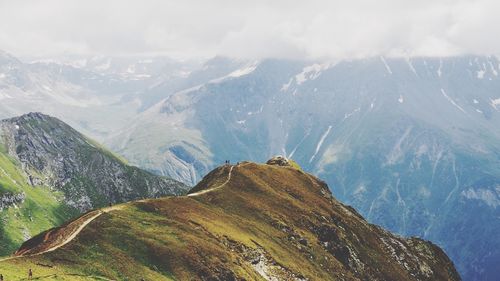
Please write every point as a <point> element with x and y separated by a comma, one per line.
<point>250,28</point>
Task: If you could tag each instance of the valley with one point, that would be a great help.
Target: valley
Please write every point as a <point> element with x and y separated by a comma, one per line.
<point>412,142</point>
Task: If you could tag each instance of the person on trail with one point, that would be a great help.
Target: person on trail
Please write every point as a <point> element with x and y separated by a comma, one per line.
<point>30,274</point>
<point>1,277</point>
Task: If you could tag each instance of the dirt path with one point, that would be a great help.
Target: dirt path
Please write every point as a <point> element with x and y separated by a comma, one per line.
<point>81,227</point>
<point>117,207</point>
<point>213,188</point>
<point>73,235</point>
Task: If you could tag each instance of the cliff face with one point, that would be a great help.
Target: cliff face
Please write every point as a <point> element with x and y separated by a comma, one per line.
<point>50,173</point>
<point>53,154</point>
<point>244,222</point>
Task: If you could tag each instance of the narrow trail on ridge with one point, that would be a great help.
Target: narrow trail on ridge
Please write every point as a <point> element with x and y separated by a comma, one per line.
<point>72,236</point>
<point>213,188</point>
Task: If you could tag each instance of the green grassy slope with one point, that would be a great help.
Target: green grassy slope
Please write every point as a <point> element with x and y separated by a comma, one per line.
<point>42,208</point>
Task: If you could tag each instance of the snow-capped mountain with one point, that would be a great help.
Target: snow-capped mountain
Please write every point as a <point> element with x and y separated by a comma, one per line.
<point>413,143</point>
<point>95,94</point>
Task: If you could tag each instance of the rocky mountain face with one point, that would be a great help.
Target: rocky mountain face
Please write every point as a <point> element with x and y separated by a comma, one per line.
<point>413,143</point>
<point>53,154</point>
<point>8,200</point>
<point>50,172</point>
<point>243,222</point>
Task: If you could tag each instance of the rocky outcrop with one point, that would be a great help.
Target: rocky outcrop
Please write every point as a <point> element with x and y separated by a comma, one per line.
<point>11,199</point>
<point>279,161</point>
<point>51,153</point>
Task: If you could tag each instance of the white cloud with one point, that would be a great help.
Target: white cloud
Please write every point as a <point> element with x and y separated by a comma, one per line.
<point>251,29</point>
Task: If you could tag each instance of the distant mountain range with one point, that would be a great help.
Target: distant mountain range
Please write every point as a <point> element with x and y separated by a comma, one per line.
<point>412,143</point>
<point>241,222</point>
<point>50,173</point>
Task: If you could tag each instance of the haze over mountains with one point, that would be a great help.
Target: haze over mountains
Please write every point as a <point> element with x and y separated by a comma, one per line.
<point>412,143</point>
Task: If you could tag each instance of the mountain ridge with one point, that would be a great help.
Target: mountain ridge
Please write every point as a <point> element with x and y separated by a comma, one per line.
<point>389,133</point>
<point>259,222</point>
<point>412,143</point>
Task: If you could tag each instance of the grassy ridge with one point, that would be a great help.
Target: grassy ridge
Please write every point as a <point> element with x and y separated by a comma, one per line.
<point>276,220</point>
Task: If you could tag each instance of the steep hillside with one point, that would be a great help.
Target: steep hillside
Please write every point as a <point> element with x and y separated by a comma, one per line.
<point>412,143</point>
<point>242,222</point>
<point>26,210</point>
<point>50,172</point>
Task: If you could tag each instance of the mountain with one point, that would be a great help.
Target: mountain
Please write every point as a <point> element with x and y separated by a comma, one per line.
<point>113,89</point>
<point>50,173</point>
<point>412,143</point>
<point>243,222</point>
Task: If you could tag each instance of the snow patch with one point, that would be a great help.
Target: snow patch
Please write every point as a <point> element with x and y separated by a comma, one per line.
<point>475,101</point>
<point>347,115</point>
<point>439,72</point>
<point>285,87</point>
<point>410,64</point>
<point>452,101</point>
<point>480,74</point>
<point>400,99</point>
<point>311,72</point>
<point>495,102</point>
<point>320,143</point>
<point>245,70</point>
<point>297,146</point>
<point>493,70</point>
<point>397,151</point>
<point>489,197</point>
<point>256,112</point>
<point>386,65</point>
